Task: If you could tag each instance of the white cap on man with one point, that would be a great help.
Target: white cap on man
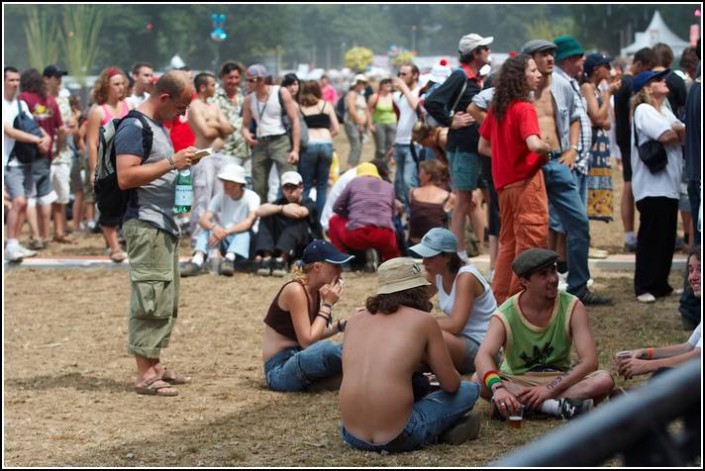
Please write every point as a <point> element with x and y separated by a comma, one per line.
<point>292,178</point>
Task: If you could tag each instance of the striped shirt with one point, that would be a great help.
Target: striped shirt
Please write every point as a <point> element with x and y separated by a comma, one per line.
<point>366,201</point>
<point>585,144</point>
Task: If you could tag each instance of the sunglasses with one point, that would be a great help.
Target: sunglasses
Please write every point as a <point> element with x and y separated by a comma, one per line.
<point>252,80</point>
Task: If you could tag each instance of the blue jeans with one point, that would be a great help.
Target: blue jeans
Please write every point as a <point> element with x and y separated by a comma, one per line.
<point>239,243</point>
<point>406,176</point>
<point>431,416</point>
<point>563,194</point>
<point>295,369</point>
<point>314,166</point>
<point>554,222</point>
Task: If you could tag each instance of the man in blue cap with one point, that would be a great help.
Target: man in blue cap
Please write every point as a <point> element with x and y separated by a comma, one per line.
<point>556,108</point>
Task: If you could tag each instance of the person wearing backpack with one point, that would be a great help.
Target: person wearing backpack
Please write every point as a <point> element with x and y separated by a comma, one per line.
<point>270,143</point>
<point>17,176</point>
<point>464,161</point>
<point>150,229</point>
<point>44,110</point>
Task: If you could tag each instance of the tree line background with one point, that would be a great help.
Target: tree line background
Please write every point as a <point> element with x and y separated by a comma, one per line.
<point>88,38</point>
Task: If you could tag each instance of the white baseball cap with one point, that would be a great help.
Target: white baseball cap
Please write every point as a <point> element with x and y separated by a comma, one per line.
<point>233,173</point>
<point>292,178</point>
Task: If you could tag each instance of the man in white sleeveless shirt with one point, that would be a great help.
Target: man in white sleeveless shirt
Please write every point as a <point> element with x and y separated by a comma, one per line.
<point>270,142</point>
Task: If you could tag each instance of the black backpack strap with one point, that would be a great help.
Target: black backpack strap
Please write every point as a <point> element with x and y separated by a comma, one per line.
<point>147,134</point>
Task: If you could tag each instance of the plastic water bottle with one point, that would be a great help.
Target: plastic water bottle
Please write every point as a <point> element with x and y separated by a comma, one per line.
<point>214,260</point>
<point>184,192</point>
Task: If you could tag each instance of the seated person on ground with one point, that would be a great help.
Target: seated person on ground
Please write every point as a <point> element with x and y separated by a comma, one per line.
<point>429,204</point>
<point>286,226</point>
<point>650,360</point>
<point>227,223</point>
<point>383,347</point>
<point>537,328</point>
<point>300,317</point>
<point>464,296</point>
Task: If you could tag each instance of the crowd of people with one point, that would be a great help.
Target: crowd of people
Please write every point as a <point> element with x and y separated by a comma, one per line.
<point>527,154</point>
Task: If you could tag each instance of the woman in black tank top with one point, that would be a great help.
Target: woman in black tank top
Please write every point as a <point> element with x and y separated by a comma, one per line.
<point>300,316</point>
<point>316,158</point>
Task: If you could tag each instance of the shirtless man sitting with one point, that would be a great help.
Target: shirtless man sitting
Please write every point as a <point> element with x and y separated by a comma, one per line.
<point>208,124</point>
<point>384,345</point>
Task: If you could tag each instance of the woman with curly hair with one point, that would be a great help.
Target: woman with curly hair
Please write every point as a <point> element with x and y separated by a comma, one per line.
<point>511,135</point>
<point>109,97</point>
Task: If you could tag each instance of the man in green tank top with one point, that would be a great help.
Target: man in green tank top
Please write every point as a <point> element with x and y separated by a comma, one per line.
<point>537,329</point>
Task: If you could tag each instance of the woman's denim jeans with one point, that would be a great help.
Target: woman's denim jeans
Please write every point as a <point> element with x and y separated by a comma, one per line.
<point>314,167</point>
<point>294,369</point>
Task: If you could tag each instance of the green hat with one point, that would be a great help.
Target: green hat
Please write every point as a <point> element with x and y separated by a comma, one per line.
<point>532,260</point>
<point>567,46</point>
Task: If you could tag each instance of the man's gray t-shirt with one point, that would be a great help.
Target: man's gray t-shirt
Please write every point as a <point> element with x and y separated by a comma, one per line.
<point>153,202</point>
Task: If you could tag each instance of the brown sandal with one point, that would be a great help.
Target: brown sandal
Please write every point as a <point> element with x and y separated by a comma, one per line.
<point>156,387</point>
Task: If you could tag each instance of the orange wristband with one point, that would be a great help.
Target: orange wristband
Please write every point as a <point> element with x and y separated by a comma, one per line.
<point>651,352</point>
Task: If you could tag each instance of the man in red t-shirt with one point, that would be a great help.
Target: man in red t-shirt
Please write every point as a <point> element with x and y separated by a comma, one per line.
<point>511,136</point>
<point>46,113</point>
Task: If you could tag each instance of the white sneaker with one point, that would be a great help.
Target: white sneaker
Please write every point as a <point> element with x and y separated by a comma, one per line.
<point>646,298</point>
<point>14,255</point>
<point>562,281</point>
<point>27,253</point>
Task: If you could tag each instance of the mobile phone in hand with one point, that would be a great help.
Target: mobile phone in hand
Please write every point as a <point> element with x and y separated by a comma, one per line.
<point>201,154</point>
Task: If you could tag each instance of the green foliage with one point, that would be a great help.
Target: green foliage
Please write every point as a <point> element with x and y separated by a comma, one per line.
<point>81,32</point>
<point>41,33</point>
<point>358,59</point>
<point>319,34</point>
<point>403,58</point>
<point>545,29</point>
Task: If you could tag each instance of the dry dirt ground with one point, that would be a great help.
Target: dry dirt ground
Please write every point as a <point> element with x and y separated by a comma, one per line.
<point>68,398</point>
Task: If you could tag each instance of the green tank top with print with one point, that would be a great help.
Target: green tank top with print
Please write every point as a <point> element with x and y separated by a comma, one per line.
<point>532,348</point>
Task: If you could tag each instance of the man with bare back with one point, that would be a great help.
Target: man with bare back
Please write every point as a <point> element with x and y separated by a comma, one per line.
<point>560,127</point>
<point>383,347</point>
<point>208,123</point>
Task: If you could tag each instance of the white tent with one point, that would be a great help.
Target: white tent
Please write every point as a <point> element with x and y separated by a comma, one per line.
<point>656,32</point>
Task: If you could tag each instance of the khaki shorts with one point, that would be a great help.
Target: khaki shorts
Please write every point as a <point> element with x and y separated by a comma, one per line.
<point>539,379</point>
<point>154,278</point>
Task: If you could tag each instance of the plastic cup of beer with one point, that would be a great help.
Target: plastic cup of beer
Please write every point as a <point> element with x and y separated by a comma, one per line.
<point>622,356</point>
<point>515,419</point>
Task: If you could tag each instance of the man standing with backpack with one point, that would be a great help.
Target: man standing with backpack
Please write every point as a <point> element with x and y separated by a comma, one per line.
<point>464,164</point>
<point>17,175</point>
<point>151,231</point>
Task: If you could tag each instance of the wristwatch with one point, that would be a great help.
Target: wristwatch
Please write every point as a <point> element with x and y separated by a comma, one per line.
<point>575,148</point>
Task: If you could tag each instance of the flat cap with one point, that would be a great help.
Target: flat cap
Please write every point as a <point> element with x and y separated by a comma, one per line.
<point>532,260</point>
<point>537,45</point>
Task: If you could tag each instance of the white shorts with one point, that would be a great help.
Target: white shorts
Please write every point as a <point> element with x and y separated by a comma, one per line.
<point>61,182</point>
